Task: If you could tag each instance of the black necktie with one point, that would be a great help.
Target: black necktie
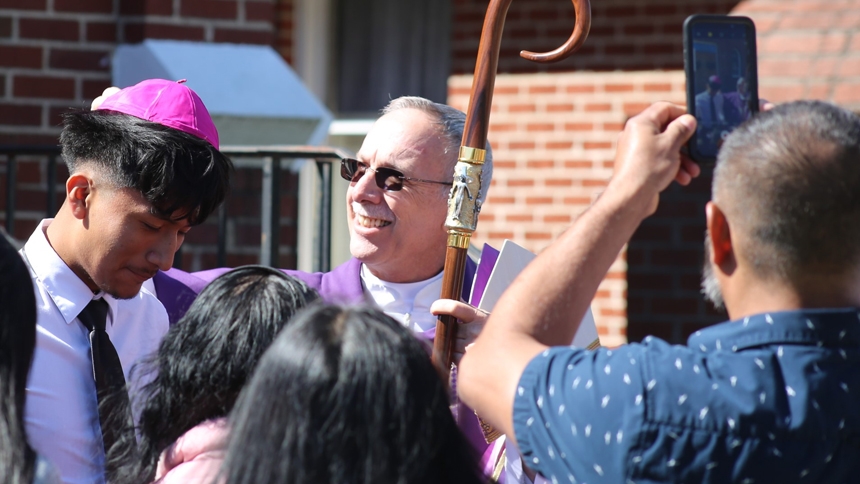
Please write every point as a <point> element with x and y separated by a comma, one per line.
<point>114,408</point>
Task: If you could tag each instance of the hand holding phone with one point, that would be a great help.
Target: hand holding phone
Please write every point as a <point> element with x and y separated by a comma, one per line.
<point>722,79</point>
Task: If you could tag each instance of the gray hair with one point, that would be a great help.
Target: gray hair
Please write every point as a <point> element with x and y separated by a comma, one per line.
<point>789,180</point>
<point>452,122</point>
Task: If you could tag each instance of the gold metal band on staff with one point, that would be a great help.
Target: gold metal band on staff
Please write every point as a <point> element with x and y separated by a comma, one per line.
<point>459,239</point>
<point>475,156</point>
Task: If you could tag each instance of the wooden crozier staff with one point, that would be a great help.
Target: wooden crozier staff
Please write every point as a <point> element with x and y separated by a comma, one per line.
<point>463,206</point>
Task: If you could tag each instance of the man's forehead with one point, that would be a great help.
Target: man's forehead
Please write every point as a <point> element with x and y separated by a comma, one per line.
<point>400,137</point>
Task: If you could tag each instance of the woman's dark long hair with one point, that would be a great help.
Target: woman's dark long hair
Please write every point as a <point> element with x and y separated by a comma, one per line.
<point>206,358</point>
<point>17,343</point>
<point>346,395</point>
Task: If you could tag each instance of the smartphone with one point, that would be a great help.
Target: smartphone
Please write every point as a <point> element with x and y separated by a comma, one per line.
<point>722,79</point>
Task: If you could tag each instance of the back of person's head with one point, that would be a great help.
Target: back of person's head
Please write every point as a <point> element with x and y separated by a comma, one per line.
<point>177,172</point>
<point>206,358</point>
<point>17,343</point>
<point>789,183</point>
<point>346,395</point>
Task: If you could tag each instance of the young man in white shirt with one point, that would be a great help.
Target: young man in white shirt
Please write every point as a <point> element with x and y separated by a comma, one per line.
<point>144,168</point>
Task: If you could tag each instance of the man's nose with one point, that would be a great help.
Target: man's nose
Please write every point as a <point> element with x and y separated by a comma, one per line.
<point>163,252</point>
<point>365,188</point>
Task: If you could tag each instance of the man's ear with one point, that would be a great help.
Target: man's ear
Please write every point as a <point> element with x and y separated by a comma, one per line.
<point>78,191</point>
<point>722,247</point>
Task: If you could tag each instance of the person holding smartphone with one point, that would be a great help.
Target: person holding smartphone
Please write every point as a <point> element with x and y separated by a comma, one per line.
<point>769,396</point>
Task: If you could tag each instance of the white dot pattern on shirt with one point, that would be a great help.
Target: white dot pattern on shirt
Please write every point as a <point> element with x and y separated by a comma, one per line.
<point>682,399</point>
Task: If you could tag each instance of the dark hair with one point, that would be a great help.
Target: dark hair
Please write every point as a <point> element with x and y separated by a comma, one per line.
<point>789,180</point>
<point>174,170</point>
<point>205,359</point>
<point>346,395</point>
<point>17,343</point>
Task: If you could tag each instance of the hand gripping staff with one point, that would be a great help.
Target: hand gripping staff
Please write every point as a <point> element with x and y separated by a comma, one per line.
<point>463,205</point>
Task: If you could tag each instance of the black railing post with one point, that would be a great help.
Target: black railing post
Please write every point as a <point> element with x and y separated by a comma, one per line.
<point>222,234</point>
<point>271,214</point>
<point>323,256</point>
<point>11,178</point>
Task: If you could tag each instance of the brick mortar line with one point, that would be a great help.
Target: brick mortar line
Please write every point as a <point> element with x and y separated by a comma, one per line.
<point>194,21</point>
<point>111,18</point>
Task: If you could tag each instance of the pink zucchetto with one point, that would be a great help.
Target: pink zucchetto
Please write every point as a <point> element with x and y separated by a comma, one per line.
<point>169,103</point>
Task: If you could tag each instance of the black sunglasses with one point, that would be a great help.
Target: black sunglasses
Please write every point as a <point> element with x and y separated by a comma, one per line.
<point>388,179</point>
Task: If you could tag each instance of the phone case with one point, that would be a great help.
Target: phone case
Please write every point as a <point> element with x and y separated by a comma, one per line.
<point>701,146</point>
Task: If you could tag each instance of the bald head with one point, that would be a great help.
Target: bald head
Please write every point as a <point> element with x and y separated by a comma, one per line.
<point>789,183</point>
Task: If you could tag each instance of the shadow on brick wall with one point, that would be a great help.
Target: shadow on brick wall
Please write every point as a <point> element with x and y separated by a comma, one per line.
<point>664,260</point>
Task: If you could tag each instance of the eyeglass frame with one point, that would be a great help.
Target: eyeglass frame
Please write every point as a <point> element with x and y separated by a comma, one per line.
<point>381,175</point>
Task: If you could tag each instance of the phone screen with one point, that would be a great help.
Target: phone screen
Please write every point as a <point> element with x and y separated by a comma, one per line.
<point>721,53</point>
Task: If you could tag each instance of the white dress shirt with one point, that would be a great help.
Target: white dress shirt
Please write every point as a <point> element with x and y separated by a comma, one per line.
<point>62,410</point>
<point>408,302</point>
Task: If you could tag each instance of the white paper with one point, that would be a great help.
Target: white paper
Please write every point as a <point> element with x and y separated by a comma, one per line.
<point>512,260</point>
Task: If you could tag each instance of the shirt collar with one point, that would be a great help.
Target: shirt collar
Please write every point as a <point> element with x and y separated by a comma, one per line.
<point>408,302</point>
<point>69,293</point>
<point>834,327</point>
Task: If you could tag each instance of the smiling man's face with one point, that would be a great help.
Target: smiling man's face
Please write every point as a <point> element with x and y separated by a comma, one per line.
<point>400,235</point>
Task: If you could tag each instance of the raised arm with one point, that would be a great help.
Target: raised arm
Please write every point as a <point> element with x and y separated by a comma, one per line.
<point>544,305</point>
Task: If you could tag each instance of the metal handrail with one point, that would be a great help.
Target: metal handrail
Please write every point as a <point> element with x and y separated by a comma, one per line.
<point>271,160</point>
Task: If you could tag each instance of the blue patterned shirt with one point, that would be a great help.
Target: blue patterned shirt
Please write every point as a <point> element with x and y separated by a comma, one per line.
<point>770,398</point>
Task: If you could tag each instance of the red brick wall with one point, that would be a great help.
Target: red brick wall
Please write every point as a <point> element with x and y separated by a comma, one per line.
<point>284,29</point>
<point>807,49</point>
<point>56,55</point>
<point>625,34</point>
<point>553,137</point>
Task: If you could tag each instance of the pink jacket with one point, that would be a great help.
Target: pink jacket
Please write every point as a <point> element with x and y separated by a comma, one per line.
<point>196,457</point>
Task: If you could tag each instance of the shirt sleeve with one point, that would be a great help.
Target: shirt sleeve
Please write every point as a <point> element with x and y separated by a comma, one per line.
<point>576,413</point>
